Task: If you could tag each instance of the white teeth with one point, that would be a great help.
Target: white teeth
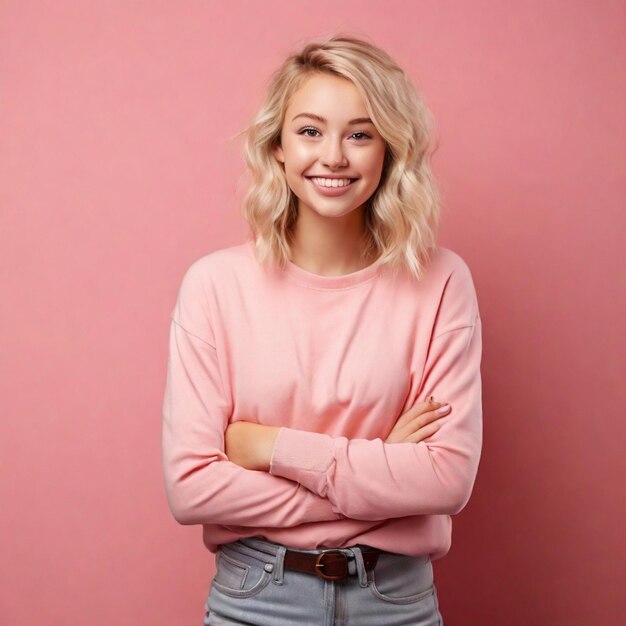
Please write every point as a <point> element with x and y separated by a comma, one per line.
<point>332,182</point>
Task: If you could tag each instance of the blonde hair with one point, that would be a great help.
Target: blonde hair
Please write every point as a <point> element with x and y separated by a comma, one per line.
<point>402,215</point>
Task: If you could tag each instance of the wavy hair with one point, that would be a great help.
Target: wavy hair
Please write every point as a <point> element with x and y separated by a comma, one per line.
<point>402,215</point>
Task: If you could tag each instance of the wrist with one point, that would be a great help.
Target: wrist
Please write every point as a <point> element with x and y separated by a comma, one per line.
<point>266,446</point>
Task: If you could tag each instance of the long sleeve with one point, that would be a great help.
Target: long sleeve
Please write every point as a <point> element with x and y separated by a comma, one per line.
<point>202,485</point>
<point>373,480</point>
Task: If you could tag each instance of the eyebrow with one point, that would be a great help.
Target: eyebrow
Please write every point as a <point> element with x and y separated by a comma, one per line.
<point>319,118</point>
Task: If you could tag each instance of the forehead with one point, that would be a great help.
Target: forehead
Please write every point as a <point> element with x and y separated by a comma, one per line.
<point>329,96</point>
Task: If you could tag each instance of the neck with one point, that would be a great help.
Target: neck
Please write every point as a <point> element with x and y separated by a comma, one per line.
<point>330,245</point>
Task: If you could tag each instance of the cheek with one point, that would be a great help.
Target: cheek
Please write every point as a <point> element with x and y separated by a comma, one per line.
<point>295,153</point>
<point>374,167</point>
<point>293,174</point>
<point>372,162</point>
<point>380,159</point>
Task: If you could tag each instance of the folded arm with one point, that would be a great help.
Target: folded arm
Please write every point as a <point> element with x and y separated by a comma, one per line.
<point>373,480</point>
<point>202,485</point>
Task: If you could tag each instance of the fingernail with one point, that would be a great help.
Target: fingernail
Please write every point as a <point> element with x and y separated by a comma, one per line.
<point>443,408</point>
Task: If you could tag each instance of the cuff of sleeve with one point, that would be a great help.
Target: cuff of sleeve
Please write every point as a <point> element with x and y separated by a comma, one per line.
<point>304,457</point>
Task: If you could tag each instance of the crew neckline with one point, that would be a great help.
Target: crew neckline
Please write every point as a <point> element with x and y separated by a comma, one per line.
<point>304,278</point>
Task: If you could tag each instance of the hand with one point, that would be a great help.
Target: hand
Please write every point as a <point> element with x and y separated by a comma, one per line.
<point>250,445</point>
<point>417,423</point>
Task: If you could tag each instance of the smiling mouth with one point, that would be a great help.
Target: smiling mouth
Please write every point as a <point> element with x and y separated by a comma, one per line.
<point>331,183</point>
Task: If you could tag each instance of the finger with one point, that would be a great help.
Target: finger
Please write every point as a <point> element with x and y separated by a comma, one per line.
<point>411,414</point>
<point>431,416</point>
<point>429,404</point>
<point>417,410</point>
<point>424,433</point>
<point>413,420</point>
<point>399,433</point>
<point>442,410</point>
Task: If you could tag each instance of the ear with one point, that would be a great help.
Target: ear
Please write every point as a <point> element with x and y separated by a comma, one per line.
<point>278,153</point>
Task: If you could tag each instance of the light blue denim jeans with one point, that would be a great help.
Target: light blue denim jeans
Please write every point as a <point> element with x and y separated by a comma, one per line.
<point>252,587</point>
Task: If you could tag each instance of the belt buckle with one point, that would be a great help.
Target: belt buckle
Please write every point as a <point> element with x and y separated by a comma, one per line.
<point>319,565</point>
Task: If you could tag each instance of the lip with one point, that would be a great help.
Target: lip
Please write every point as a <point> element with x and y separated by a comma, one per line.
<point>330,176</point>
<point>331,191</point>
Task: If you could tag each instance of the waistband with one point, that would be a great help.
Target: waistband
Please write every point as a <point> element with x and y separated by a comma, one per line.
<point>270,547</point>
<point>332,563</point>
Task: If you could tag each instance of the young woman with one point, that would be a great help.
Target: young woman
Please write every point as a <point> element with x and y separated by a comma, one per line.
<point>299,421</point>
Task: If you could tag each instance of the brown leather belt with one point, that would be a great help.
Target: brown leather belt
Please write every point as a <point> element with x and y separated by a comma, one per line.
<point>330,564</point>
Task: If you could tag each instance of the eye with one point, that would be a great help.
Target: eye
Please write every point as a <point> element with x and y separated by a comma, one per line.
<point>306,130</point>
<point>309,129</point>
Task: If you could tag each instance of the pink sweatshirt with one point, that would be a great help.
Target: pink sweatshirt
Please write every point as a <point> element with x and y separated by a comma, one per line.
<point>334,361</point>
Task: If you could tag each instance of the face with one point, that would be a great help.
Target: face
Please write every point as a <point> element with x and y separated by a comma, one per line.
<point>333,157</point>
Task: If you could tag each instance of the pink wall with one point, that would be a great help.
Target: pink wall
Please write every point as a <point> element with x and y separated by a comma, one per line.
<point>117,171</point>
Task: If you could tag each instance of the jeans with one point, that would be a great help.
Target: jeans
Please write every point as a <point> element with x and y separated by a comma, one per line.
<point>252,587</point>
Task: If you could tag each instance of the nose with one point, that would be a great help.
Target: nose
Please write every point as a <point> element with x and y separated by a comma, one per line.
<point>333,155</point>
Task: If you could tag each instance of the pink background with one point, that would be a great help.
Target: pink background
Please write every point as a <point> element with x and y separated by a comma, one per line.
<point>118,170</point>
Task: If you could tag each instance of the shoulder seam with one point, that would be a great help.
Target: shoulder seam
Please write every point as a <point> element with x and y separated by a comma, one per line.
<point>451,330</point>
<point>175,321</point>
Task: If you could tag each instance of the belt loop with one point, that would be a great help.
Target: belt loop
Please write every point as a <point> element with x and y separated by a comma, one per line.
<point>279,565</point>
<point>360,565</point>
